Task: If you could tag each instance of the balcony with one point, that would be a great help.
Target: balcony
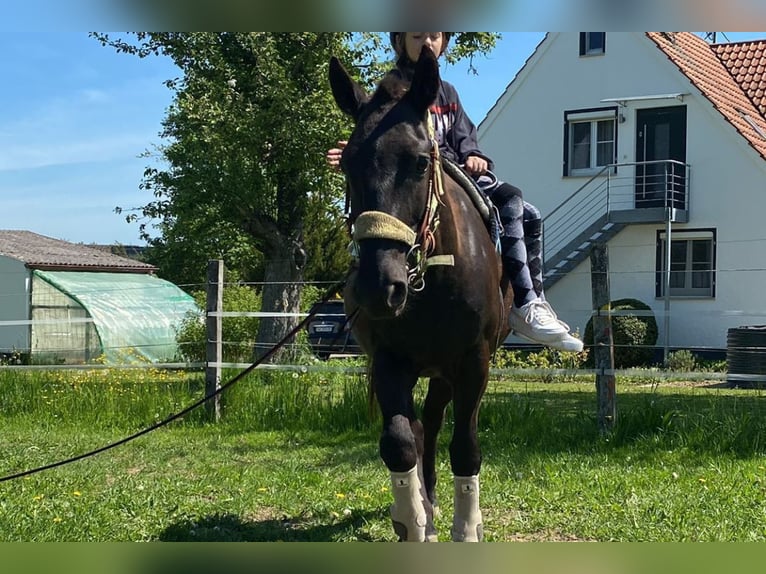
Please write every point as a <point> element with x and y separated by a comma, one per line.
<point>618,195</point>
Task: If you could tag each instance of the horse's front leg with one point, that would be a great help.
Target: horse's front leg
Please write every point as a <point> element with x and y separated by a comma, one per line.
<point>465,454</point>
<point>401,447</point>
<point>438,397</point>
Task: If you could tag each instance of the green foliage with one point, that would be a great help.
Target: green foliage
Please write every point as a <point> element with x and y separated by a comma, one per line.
<point>243,169</point>
<point>682,360</point>
<point>550,361</point>
<point>14,358</point>
<point>238,332</point>
<point>247,134</point>
<point>634,335</point>
<point>468,44</point>
<point>713,365</point>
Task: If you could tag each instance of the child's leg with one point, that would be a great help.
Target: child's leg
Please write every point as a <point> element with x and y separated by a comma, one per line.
<point>533,233</point>
<point>531,316</point>
<point>510,204</point>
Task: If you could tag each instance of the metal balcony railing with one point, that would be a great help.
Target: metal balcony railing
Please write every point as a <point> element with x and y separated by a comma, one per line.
<point>618,193</point>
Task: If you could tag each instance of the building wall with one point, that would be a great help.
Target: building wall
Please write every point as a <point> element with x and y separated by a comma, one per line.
<point>727,182</point>
<point>14,305</point>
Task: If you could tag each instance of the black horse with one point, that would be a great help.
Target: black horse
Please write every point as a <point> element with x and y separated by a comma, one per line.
<point>427,293</point>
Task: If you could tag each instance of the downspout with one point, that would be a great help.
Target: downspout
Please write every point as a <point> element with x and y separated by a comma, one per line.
<point>668,226</point>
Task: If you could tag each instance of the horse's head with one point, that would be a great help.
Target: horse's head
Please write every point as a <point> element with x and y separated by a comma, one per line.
<point>388,165</point>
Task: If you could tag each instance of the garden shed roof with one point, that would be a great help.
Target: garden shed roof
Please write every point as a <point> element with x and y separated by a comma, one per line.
<point>41,252</point>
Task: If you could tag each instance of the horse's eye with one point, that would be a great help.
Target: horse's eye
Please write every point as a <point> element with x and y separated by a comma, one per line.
<point>422,163</point>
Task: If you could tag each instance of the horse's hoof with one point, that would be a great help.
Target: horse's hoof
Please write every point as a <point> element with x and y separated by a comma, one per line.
<point>419,534</point>
<point>431,534</point>
<point>466,534</point>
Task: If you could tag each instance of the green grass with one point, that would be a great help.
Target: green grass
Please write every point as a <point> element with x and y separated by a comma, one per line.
<point>295,459</point>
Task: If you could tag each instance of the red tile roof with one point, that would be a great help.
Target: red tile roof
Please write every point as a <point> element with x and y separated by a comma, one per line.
<point>706,70</point>
<point>746,62</point>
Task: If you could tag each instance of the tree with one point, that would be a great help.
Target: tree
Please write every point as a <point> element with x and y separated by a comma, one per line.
<point>247,132</point>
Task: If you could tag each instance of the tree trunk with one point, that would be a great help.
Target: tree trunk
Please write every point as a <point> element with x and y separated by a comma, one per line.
<point>283,274</point>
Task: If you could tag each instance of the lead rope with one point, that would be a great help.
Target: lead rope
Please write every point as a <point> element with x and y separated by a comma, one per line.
<point>329,293</point>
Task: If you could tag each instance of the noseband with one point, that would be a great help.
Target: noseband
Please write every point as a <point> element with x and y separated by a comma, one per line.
<point>381,225</point>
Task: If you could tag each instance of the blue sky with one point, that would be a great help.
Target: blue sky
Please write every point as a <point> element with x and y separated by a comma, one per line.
<point>75,117</point>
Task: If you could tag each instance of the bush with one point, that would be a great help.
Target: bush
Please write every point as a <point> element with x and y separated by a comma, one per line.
<point>634,336</point>
<point>682,361</point>
<point>545,360</point>
<point>238,332</point>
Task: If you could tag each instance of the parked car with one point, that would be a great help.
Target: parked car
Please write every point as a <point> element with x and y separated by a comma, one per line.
<point>328,331</point>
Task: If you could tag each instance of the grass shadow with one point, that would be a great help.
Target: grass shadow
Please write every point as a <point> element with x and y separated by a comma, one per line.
<point>232,528</point>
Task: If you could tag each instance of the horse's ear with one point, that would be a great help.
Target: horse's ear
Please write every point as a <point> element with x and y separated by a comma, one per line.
<point>347,93</point>
<point>425,81</point>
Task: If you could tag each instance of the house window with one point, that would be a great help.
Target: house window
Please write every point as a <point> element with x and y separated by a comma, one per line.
<point>692,263</point>
<point>590,141</point>
<point>592,43</point>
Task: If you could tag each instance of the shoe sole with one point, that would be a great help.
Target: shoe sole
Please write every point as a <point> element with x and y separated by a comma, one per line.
<point>558,345</point>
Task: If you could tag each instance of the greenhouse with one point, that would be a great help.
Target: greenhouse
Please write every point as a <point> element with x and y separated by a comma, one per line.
<point>114,318</point>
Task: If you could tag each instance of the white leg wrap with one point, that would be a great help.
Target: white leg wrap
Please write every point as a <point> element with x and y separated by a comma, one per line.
<point>466,522</point>
<point>408,513</point>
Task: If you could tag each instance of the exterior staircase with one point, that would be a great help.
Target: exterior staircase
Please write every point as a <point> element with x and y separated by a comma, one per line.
<point>617,196</point>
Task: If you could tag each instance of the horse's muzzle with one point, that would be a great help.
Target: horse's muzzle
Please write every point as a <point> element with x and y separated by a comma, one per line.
<point>381,281</point>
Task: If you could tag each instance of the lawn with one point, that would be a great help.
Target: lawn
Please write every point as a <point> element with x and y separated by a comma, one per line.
<point>295,459</point>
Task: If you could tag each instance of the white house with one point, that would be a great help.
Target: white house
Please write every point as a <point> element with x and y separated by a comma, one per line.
<point>624,137</point>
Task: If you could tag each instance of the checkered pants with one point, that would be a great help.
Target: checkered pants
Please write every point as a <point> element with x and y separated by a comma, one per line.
<point>521,239</point>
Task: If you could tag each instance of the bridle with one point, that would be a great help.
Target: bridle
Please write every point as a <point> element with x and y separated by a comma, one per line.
<point>381,225</point>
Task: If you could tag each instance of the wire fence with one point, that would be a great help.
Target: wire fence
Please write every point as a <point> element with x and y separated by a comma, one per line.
<point>307,362</point>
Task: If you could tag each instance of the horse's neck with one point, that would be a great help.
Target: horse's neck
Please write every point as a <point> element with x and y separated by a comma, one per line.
<point>459,215</point>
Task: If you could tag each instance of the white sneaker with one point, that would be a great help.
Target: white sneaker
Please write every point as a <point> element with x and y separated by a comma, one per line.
<point>537,322</point>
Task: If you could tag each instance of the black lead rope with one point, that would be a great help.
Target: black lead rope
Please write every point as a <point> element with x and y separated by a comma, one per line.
<point>334,289</point>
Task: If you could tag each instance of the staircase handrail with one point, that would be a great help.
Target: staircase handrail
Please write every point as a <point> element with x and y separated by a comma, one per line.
<point>605,169</point>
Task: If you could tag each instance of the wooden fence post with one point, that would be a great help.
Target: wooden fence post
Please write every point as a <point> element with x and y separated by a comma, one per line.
<point>214,337</point>
<point>603,346</point>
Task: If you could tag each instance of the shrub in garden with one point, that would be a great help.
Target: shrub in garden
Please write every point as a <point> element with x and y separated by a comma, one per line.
<point>544,360</point>
<point>682,361</point>
<point>238,332</point>
<point>634,335</point>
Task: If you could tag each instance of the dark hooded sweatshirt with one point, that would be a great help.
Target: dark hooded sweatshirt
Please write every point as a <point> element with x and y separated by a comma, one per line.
<point>455,131</point>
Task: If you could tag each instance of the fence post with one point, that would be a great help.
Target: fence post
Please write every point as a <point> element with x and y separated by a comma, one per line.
<point>213,337</point>
<point>603,347</point>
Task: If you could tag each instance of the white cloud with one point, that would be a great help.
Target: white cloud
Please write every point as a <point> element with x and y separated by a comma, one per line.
<point>34,155</point>
<point>87,125</point>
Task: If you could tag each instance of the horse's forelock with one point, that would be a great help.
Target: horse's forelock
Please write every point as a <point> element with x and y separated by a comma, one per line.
<point>391,89</point>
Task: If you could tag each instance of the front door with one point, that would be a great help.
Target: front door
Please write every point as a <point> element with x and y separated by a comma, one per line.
<point>661,135</point>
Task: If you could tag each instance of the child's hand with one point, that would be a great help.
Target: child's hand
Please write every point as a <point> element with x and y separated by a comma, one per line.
<point>333,155</point>
<point>476,165</point>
